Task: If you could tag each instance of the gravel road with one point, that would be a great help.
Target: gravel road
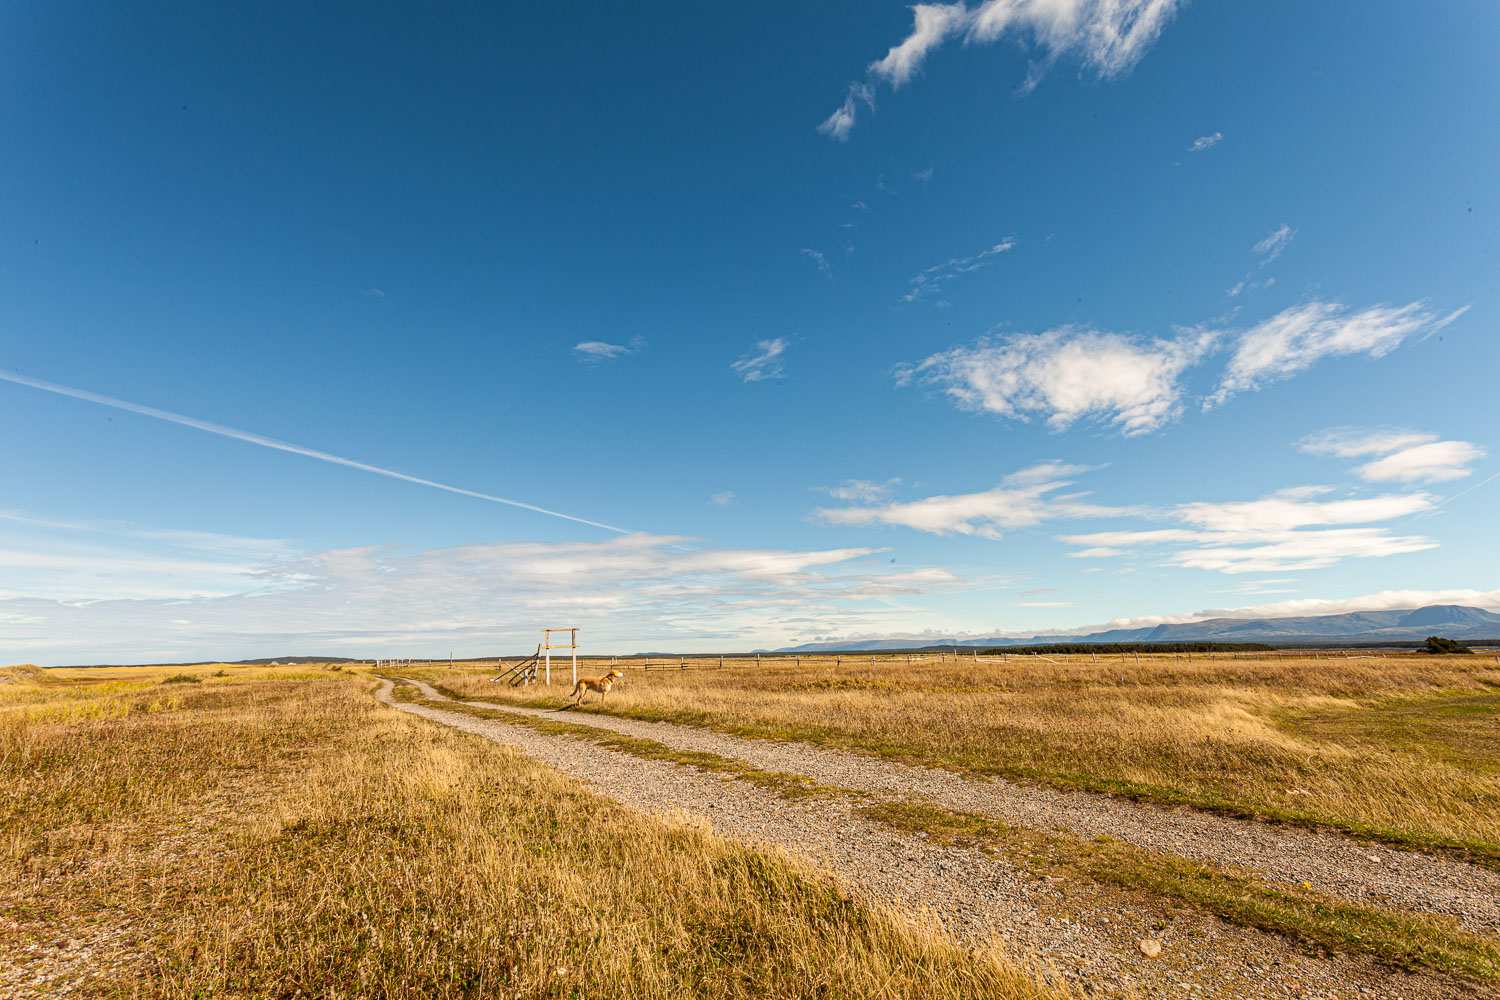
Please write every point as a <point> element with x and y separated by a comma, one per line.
<point>1328,862</point>
<point>1082,933</point>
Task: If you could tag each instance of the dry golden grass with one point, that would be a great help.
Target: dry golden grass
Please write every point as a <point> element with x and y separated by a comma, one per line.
<point>285,836</point>
<point>1395,748</point>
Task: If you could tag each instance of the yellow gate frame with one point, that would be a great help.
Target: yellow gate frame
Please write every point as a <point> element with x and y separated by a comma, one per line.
<point>548,646</point>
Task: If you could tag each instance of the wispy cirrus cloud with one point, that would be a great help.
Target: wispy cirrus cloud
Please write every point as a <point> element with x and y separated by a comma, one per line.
<point>839,124</point>
<point>1206,142</point>
<point>1299,337</point>
<point>1266,251</point>
<point>861,490</point>
<point>1023,499</point>
<point>1067,375</point>
<point>767,361</point>
<point>1135,384</point>
<point>1402,455</point>
<point>1272,246</point>
<point>822,261</point>
<point>70,560</point>
<point>1106,36</point>
<point>1288,530</point>
<point>1294,529</point>
<point>632,591</point>
<point>593,352</point>
<point>931,279</point>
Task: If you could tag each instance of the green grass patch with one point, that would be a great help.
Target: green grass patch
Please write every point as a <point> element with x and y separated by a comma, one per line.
<point>407,693</point>
<point>1459,728</point>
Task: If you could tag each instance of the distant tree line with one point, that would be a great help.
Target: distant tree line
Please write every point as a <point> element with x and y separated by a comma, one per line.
<point>1136,647</point>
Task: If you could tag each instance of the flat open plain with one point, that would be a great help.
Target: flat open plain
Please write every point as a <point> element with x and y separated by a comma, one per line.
<point>850,829</point>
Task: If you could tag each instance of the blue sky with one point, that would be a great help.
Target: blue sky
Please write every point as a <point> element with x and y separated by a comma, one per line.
<point>857,320</point>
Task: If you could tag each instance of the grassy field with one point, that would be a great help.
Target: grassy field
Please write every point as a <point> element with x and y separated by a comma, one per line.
<point>259,832</point>
<point>1401,748</point>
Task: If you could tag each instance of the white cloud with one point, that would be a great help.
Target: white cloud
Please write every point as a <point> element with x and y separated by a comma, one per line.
<point>1267,250</point>
<point>1297,338</point>
<point>1284,531</point>
<point>629,592</point>
<point>923,175</point>
<point>839,124</point>
<point>1066,375</point>
<point>1023,500</point>
<point>1051,469</point>
<point>1428,463</point>
<point>1272,246</point>
<point>1206,142</point>
<point>596,351</point>
<point>861,490</point>
<point>107,560</point>
<point>1280,512</point>
<point>1107,36</point>
<point>767,364</point>
<point>932,25</point>
<point>931,279</point>
<point>1044,604</point>
<point>1406,456</point>
<point>1352,442</point>
<point>722,499</point>
<point>820,260</point>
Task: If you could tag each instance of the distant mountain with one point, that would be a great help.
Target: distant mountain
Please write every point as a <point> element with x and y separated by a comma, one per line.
<point>1452,621</point>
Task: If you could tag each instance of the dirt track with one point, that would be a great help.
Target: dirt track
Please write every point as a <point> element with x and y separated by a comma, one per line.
<point>1087,933</point>
<point>1329,862</point>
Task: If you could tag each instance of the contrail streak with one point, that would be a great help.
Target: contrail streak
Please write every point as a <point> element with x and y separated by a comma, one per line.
<point>1433,510</point>
<point>295,449</point>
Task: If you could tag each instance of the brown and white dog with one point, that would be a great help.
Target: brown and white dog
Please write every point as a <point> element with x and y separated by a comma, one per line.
<point>600,684</point>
